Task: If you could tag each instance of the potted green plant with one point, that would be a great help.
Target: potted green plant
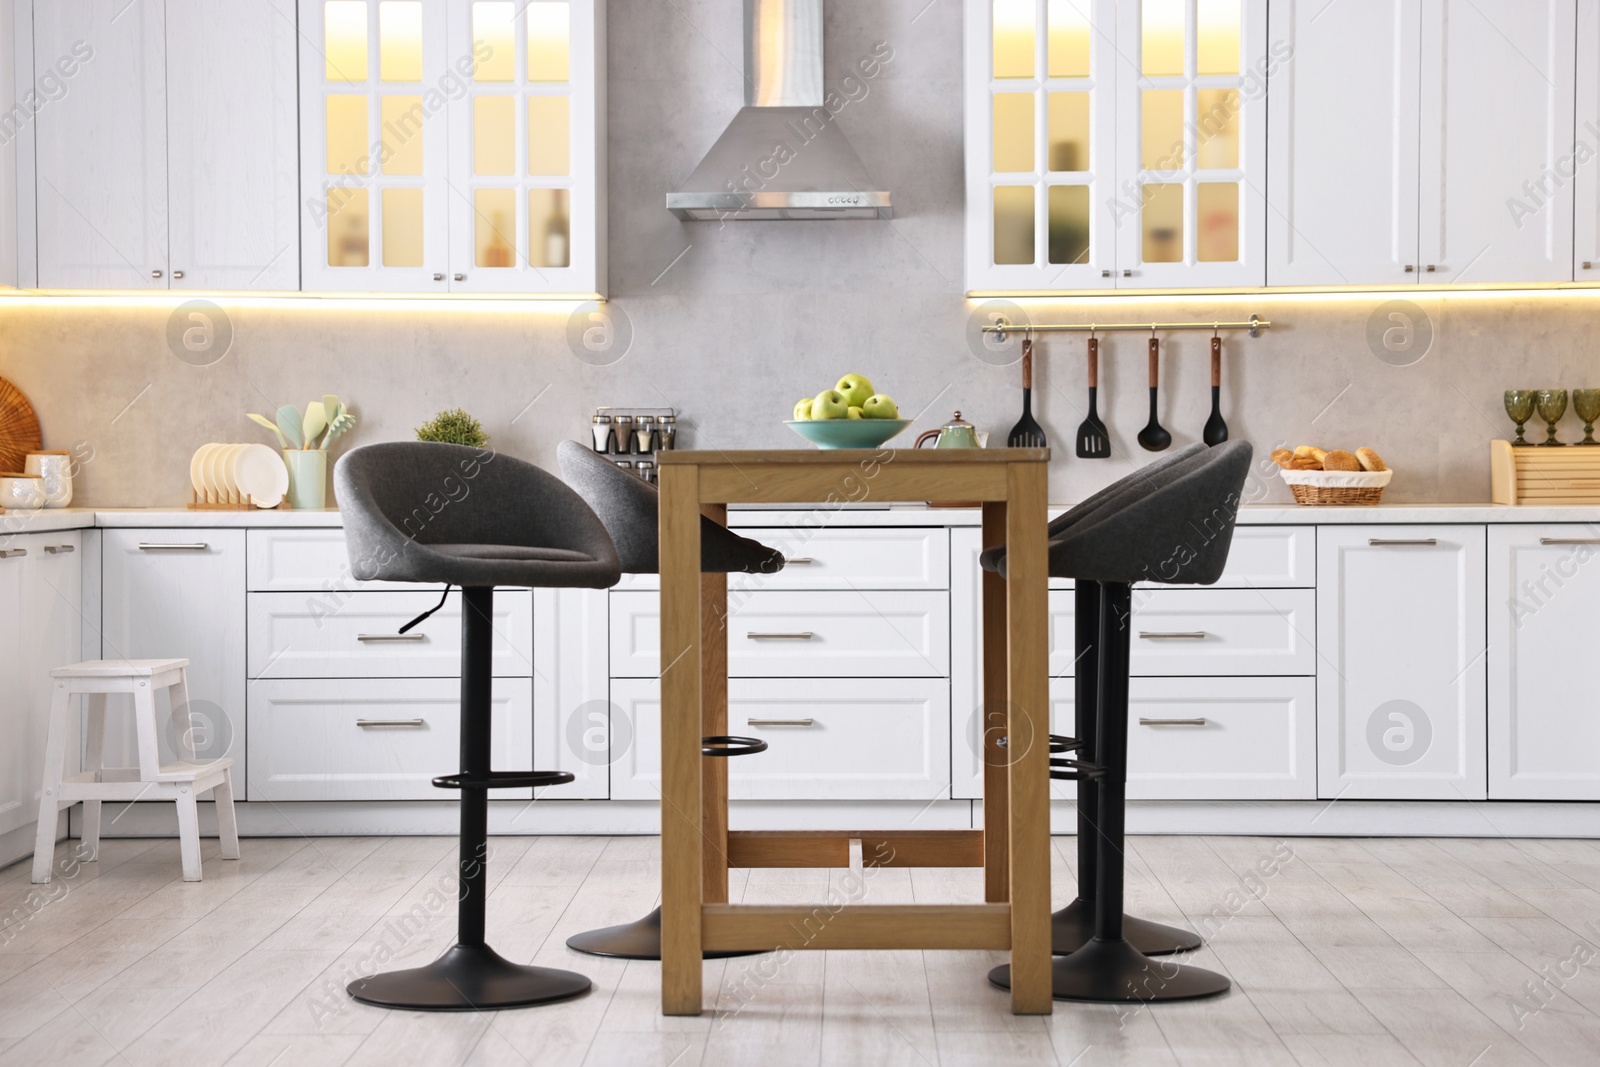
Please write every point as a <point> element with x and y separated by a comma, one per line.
<point>305,439</point>
<point>453,427</point>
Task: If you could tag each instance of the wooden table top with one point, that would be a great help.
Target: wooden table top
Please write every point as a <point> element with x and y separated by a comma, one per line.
<point>800,457</point>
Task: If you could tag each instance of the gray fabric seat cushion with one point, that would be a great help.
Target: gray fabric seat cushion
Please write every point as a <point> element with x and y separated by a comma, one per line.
<point>1177,533</point>
<point>1146,477</point>
<point>630,508</point>
<point>423,512</point>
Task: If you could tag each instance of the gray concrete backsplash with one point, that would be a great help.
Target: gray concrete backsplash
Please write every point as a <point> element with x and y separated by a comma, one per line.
<point>731,324</point>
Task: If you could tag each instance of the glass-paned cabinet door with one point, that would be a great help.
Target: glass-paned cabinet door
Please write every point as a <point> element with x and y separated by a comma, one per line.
<point>1191,143</point>
<point>524,151</point>
<point>1040,144</point>
<point>375,85</point>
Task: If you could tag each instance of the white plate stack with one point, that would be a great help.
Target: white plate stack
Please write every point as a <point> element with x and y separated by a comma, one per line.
<point>238,476</point>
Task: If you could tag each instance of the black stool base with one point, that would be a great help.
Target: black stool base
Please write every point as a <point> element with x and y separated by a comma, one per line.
<point>1117,973</point>
<point>638,940</point>
<point>1073,926</point>
<point>468,978</point>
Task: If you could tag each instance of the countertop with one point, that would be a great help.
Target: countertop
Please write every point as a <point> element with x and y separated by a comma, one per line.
<point>43,521</point>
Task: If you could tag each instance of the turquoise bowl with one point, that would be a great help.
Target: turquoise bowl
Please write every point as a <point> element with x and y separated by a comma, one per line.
<point>847,433</point>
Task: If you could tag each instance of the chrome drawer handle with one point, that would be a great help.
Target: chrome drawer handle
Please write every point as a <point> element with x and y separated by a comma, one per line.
<point>1171,722</point>
<point>53,549</point>
<point>12,552</point>
<point>370,723</point>
<point>392,637</point>
<point>1388,542</point>
<point>1161,635</point>
<point>173,546</point>
<point>780,722</point>
<point>798,561</point>
<point>1569,540</point>
<point>798,635</point>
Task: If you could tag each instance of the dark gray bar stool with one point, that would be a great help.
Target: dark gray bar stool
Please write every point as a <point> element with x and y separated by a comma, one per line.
<point>1073,925</point>
<point>1178,533</point>
<point>433,513</point>
<point>630,508</point>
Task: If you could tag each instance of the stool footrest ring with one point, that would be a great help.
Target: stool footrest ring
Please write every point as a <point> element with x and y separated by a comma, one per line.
<point>1058,743</point>
<point>1073,770</point>
<point>503,779</point>
<point>731,745</point>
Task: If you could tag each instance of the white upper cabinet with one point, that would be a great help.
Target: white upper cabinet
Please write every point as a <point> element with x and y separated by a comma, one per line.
<point>1191,143</point>
<point>232,183</point>
<point>168,160</point>
<point>1580,165</point>
<point>451,146</point>
<point>1342,126</point>
<point>1041,144</point>
<point>101,183</point>
<point>1497,118</point>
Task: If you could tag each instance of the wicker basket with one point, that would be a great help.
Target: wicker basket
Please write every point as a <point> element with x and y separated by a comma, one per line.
<point>1337,488</point>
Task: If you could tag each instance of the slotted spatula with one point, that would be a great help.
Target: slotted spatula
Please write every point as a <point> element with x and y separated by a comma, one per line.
<point>1026,433</point>
<point>1093,440</point>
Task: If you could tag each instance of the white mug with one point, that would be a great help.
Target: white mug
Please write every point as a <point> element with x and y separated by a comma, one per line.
<point>24,492</point>
<point>56,470</point>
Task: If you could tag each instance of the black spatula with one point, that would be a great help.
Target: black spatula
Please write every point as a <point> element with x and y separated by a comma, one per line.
<point>1093,440</point>
<point>1026,433</point>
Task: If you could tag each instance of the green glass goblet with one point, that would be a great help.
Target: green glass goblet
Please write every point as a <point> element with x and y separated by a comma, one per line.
<point>1519,405</point>
<point>1552,404</point>
<point>1586,402</point>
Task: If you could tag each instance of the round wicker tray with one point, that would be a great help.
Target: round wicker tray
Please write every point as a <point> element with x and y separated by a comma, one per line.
<point>19,427</point>
<point>1335,488</point>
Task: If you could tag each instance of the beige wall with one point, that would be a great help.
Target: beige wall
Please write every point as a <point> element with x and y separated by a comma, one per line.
<point>732,324</point>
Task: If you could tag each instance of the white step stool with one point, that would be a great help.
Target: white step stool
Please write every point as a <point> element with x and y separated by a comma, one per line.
<point>182,781</point>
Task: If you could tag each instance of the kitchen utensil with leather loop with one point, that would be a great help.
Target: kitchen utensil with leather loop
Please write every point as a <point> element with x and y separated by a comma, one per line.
<point>1216,430</point>
<point>1026,433</point>
<point>1153,438</point>
<point>1093,440</point>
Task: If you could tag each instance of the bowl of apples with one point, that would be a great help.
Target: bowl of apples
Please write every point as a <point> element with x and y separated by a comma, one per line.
<point>850,415</point>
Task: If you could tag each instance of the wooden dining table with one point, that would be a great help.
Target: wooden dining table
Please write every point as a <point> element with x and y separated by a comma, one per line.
<point>1013,848</point>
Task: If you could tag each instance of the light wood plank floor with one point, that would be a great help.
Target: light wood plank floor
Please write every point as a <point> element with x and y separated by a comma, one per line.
<point>1455,953</point>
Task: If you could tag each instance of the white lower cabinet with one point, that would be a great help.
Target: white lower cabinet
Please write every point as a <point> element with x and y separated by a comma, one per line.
<point>1401,674</point>
<point>180,593</point>
<point>17,760</point>
<point>1544,600</point>
<point>575,723</point>
<point>829,738</point>
<point>375,739</point>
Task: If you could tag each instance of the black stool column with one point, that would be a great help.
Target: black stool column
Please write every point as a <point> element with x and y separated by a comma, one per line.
<point>471,976</point>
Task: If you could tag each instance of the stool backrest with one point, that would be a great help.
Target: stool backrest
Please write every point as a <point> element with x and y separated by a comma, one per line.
<point>1178,532</point>
<point>1145,479</point>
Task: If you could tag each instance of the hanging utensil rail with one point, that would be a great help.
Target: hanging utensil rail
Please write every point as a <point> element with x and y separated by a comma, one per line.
<point>1255,324</point>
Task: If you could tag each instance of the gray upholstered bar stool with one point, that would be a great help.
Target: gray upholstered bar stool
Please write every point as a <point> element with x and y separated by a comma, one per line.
<point>630,509</point>
<point>1177,533</point>
<point>445,514</point>
<point>1074,924</point>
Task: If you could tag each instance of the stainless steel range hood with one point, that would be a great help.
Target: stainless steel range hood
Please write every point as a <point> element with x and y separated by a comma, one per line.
<point>782,156</point>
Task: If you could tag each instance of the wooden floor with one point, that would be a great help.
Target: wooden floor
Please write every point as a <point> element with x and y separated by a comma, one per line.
<point>1457,953</point>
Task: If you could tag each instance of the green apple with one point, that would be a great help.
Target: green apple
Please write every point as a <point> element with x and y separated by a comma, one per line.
<point>855,412</point>
<point>856,388</point>
<point>802,410</point>
<point>879,406</point>
<point>830,405</point>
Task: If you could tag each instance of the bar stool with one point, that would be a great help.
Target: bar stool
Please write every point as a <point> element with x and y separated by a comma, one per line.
<point>1178,533</point>
<point>630,508</point>
<point>447,514</point>
<point>182,781</point>
<point>1073,925</point>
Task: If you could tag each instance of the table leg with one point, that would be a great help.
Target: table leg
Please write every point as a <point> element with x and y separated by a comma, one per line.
<point>1028,729</point>
<point>714,721</point>
<point>996,862</point>
<point>681,841</point>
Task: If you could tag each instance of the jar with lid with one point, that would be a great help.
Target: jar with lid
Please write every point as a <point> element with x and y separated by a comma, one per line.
<point>601,424</point>
<point>666,433</point>
<point>643,434</point>
<point>622,439</point>
<point>646,469</point>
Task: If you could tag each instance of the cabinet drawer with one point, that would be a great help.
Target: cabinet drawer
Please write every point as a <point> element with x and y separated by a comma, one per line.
<point>1211,738</point>
<point>1261,557</point>
<point>300,635</point>
<point>864,739</point>
<point>1205,631</point>
<point>777,634</point>
<point>295,561</point>
<point>892,558</point>
<point>307,741</point>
